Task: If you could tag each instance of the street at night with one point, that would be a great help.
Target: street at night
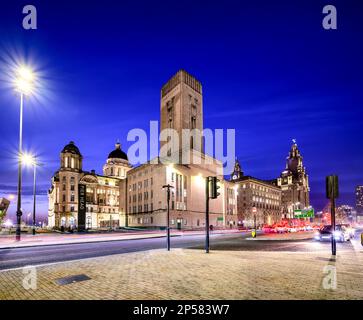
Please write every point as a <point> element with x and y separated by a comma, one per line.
<point>19,257</point>
<point>170,159</point>
<point>249,262</point>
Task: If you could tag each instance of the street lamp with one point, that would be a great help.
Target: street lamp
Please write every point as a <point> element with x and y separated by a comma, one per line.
<point>254,233</point>
<point>30,160</point>
<point>24,84</point>
<point>168,187</point>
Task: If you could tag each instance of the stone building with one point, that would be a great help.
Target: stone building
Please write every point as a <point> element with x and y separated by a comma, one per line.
<point>181,109</point>
<point>294,183</point>
<point>101,192</point>
<point>256,199</point>
<point>134,197</point>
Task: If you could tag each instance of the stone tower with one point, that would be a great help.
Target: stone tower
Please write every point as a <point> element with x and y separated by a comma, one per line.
<point>294,183</point>
<point>182,108</point>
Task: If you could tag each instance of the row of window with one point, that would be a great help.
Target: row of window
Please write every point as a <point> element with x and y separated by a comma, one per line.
<point>140,197</point>
<point>90,209</point>
<point>260,188</point>
<point>141,209</point>
<point>140,173</point>
<point>138,186</point>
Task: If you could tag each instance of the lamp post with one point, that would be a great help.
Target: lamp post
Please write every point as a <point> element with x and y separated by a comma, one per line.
<point>254,233</point>
<point>23,84</point>
<point>168,187</point>
<point>30,160</point>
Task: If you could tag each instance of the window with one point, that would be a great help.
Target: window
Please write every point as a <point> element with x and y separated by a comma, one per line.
<point>72,208</point>
<point>151,220</point>
<point>72,187</point>
<point>72,198</point>
<point>64,198</point>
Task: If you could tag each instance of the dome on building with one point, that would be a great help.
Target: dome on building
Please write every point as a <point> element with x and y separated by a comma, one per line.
<point>71,148</point>
<point>118,153</point>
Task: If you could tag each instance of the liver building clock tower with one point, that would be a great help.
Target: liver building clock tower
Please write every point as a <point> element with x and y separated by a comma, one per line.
<point>237,173</point>
<point>294,183</point>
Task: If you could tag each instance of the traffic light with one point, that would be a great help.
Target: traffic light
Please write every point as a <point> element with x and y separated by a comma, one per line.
<point>213,187</point>
<point>332,187</point>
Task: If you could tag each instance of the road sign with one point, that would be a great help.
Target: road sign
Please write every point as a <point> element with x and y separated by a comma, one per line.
<point>305,213</point>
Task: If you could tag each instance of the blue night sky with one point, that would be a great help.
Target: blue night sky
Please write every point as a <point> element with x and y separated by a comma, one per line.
<point>268,69</point>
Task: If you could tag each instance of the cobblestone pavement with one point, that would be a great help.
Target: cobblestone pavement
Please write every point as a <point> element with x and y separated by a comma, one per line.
<point>192,274</point>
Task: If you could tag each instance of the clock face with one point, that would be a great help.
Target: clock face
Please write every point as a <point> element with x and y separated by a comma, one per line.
<point>234,177</point>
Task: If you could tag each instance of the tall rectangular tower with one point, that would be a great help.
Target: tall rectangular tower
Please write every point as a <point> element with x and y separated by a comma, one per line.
<point>182,108</point>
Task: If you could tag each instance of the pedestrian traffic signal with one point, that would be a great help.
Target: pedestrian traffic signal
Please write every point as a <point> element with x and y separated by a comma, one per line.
<point>213,187</point>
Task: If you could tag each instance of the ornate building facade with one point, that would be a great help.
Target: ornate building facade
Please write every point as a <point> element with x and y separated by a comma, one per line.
<point>294,183</point>
<point>256,199</point>
<point>83,199</point>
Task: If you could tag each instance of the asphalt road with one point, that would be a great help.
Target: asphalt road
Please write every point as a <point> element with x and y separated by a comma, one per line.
<point>20,257</point>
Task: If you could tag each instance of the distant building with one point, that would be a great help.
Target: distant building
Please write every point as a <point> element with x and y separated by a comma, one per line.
<point>294,183</point>
<point>256,197</point>
<point>359,200</point>
<point>345,214</point>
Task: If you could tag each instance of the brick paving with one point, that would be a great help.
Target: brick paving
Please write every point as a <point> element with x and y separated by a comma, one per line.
<point>192,274</point>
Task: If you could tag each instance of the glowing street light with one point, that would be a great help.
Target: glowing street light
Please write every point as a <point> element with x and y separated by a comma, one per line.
<point>23,84</point>
<point>24,80</point>
<point>30,161</point>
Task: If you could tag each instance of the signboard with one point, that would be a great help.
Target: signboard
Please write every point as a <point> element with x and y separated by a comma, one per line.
<point>220,219</point>
<point>305,213</point>
<point>81,207</point>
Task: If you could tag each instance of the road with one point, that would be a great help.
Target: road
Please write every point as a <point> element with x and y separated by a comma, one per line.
<point>20,257</point>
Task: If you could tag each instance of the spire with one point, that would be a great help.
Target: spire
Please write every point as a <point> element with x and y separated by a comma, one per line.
<point>118,144</point>
<point>294,160</point>
<point>237,171</point>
